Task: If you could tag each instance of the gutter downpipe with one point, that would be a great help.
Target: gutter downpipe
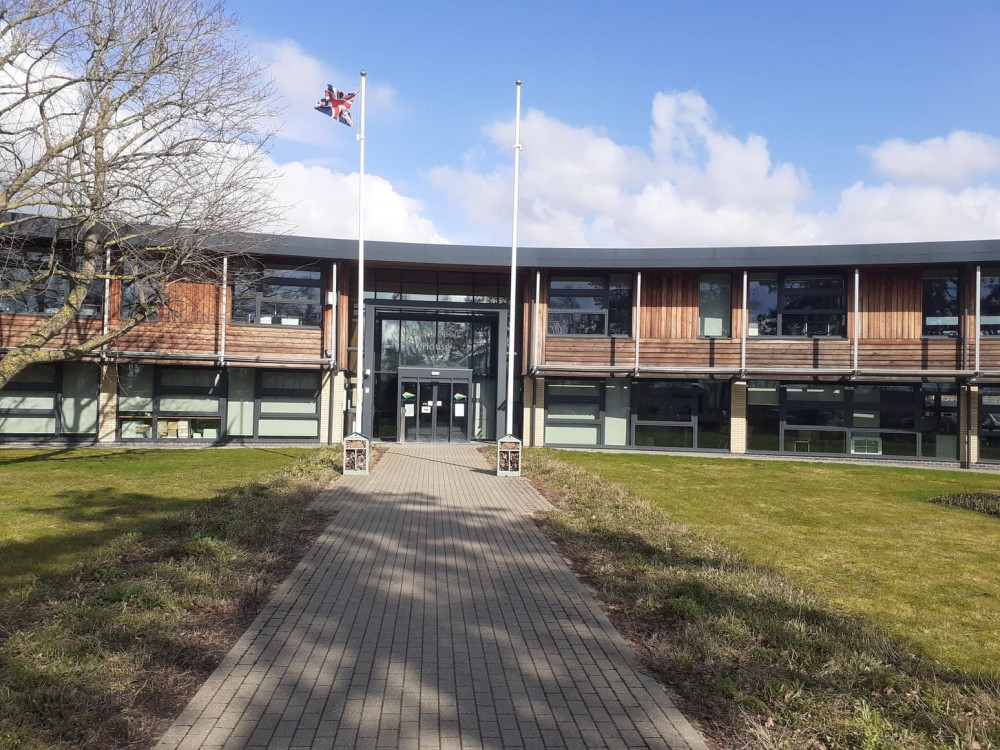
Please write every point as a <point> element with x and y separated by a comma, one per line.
<point>857,322</point>
<point>222,310</point>
<point>638,317</point>
<point>979,325</point>
<point>744,327</point>
<point>968,392</point>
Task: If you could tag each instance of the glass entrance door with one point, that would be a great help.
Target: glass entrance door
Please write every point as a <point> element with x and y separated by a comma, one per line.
<point>434,410</point>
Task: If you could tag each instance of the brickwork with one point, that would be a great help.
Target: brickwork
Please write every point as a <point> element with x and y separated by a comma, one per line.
<point>325,394</point>
<point>738,412</point>
<point>107,404</point>
<point>968,416</point>
<point>527,394</point>
<point>431,613</point>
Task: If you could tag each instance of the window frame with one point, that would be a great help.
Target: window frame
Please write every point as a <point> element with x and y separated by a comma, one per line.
<point>56,388</point>
<point>59,286</point>
<point>219,390</point>
<point>784,294</point>
<point>605,293</point>
<point>939,273</point>
<point>985,331</point>
<point>728,321</point>
<point>256,292</point>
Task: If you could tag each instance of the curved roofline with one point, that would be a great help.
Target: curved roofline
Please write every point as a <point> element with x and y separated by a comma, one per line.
<point>864,254</point>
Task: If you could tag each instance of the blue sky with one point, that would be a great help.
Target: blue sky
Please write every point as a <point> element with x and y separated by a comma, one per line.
<point>647,123</point>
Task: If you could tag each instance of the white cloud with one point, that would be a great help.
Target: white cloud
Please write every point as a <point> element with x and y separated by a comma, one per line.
<point>700,185</point>
<point>953,160</point>
<point>300,79</point>
<point>324,203</point>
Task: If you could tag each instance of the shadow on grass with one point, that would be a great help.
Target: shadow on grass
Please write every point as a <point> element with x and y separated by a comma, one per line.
<point>114,511</point>
<point>759,661</point>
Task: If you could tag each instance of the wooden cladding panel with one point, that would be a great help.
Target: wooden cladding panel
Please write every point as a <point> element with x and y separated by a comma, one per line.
<point>826,353</point>
<point>926,354</point>
<point>689,353</point>
<point>669,305</point>
<point>596,351</point>
<point>891,303</point>
<point>989,353</point>
<point>274,341</point>
<point>15,328</point>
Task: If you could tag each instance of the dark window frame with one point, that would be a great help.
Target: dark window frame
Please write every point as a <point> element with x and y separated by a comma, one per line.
<point>784,295</point>
<point>946,330</point>
<point>57,390</point>
<point>270,274</point>
<point>989,302</point>
<point>727,322</point>
<point>56,285</point>
<point>219,390</point>
<point>608,304</point>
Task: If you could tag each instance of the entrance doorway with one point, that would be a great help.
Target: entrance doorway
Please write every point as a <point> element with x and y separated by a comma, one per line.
<point>434,405</point>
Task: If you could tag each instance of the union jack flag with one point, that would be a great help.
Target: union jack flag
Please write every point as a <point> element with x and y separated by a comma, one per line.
<point>337,105</point>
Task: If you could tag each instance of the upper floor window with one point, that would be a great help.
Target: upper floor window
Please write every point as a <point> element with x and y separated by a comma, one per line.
<point>590,305</point>
<point>277,295</point>
<point>941,303</point>
<point>797,304</point>
<point>989,302</point>
<point>715,305</point>
<point>48,296</point>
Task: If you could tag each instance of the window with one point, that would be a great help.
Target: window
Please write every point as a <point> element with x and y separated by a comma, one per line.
<point>574,412</point>
<point>941,303</point>
<point>590,305</point>
<point>51,401</point>
<point>136,294</point>
<point>715,305</point>
<point>170,403</point>
<point>279,296</point>
<point>435,286</point>
<point>797,305</point>
<point>47,297</point>
<point>680,414</point>
<point>989,305</point>
<point>905,421</point>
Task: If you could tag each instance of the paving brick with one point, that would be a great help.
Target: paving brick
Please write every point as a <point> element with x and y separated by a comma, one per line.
<point>431,613</point>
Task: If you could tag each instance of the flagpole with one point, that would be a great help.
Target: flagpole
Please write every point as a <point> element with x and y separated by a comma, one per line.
<point>359,393</point>
<point>513,265</point>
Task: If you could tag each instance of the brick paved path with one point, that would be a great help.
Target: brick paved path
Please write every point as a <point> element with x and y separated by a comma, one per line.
<point>431,613</point>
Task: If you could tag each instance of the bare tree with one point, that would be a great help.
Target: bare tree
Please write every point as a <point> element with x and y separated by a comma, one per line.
<point>133,140</point>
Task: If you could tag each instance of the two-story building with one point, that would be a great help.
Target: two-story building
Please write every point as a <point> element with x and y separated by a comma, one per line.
<point>857,351</point>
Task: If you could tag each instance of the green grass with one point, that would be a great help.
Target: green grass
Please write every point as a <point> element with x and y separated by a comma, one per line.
<point>59,505</point>
<point>776,598</point>
<point>106,644</point>
<point>864,537</point>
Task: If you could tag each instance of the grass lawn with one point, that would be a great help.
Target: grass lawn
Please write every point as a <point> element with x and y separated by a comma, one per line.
<point>128,575</point>
<point>863,537</point>
<point>793,605</point>
<point>59,505</point>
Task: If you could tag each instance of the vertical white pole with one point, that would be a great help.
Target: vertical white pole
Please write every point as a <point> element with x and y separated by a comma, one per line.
<point>511,328</point>
<point>744,329</point>
<point>359,393</point>
<point>978,323</point>
<point>857,318</point>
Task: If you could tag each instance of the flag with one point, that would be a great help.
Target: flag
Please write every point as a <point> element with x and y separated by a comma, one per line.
<point>337,105</point>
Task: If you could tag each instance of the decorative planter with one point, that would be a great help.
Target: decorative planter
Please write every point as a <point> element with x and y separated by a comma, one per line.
<point>508,456</point>
<point>356,451</point>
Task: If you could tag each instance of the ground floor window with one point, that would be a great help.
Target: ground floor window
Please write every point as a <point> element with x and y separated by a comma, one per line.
<point>208,403</point>
<point>858,419</point>
<point>641,413</point>
<point>51,401</point>
<point>989,423</point>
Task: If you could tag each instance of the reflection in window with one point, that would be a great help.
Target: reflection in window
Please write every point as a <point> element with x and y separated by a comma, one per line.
<point>797,305</point>
<point>940,305</point>
<point>715,304</point>
<point>49,295</point>
<point>278,296</point>
<point>989,305</point>
<point>590,305</point>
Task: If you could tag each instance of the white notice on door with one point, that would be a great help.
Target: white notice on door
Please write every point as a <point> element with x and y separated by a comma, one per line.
<point>425,408</point>
<point>459,410</point>
<point>408,410</point>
